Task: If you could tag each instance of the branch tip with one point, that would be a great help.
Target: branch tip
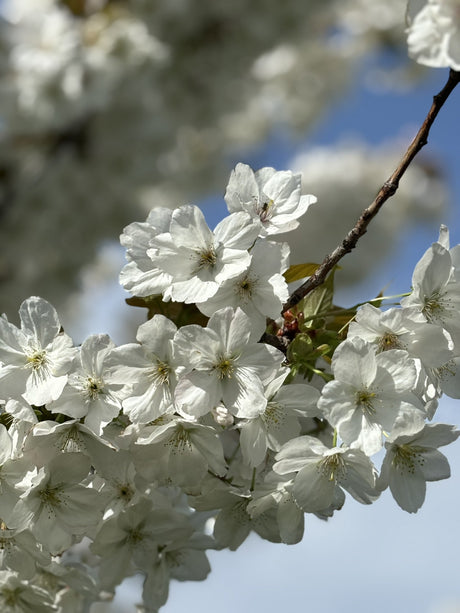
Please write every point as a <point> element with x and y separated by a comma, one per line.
<point>387,190</point>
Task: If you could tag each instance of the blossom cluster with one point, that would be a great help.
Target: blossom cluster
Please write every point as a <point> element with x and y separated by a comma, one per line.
<point>138,458</point>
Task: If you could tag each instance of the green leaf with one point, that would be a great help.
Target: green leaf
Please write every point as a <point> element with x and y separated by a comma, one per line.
<point>180,313</point>
<point>5,418</point>
<point>299,271</point>
<point>300,349</point>
<point>319,301</point>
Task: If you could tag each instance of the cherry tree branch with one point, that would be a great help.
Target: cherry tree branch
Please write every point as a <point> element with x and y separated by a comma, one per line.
<point>387,190</point>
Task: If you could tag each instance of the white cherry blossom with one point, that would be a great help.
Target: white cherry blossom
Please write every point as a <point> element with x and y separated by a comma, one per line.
<point>200,260</point>
<point>20,552</point>
<point>279,423</point>
<point>179,451</point>
<point>56,506</point>
<point>224,366</point>
<point>139,276</point>
<point>433,35</point>
<point>272,198</point>
<point>321,471</point>
<point>436,291</point>
<point>367,393</point>
<point>91,392</point>
<point>36,356</point>
<point>396,329</point>
<point>131,540</point>
<point>260,291</point>
<point>447,377</point>
<point>151,366</point>
<point>17,595</point>
<point>412,459</point>
<point>276,492</point>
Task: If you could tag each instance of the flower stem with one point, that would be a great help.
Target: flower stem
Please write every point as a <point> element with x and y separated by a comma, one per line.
<point>253,480</point>
<point>334,438</point>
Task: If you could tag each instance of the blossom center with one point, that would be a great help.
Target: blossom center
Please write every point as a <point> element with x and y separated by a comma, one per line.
<point>245,288</point>
<point>50,497</point>
<point>273,415</point>
<point>71,441</point>
<point>180,441</point>
<point>207,258</point>
<point>161,372</point>
<point>239,513</point>
<point>175,558</point>
<point>135,536</point>
<point>37,359</point>
<point>446,371</point>
<point>6,544</point>
<point>264,209</point>
<point>389,340</point>
<point>435,307</point>
<point>94,387</point>
<point>224,367</point>
<point>364,400</point>
<point>11,597</point>
<point>333,467</point>
<point>406,457</point>
<point>125,491</point>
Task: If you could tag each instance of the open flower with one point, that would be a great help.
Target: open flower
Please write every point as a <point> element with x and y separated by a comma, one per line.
<point>259,291</point>
<point>56,506</point>
<point>139,276</point>
<point>132,539</point>
<point>37,356</point>
<point>200,260</point>
<point>151,367</point>
<point>367,393</point>
<point>91,391</point>
<point>412,459</point>
<point>322,471</point>
<point>227,366</point>
<point>276,492</point>
<point>279,423</point>
<point>396,329</point>
<point>17,595</point>
<point>179,451</point>
<point>436,291</point>
<point>272,198</point>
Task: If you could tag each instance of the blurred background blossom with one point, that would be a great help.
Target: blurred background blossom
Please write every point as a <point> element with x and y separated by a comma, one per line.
<point>109,108</point>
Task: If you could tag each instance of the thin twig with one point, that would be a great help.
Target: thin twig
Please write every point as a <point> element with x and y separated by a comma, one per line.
<point>387,190</point>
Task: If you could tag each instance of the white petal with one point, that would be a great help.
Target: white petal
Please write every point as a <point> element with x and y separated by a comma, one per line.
<point>237,231</point>
<point>253,442</point>
<point>408,489</point>
<point>39,319</point>
<point>197,393</point>
<point>312,490</point>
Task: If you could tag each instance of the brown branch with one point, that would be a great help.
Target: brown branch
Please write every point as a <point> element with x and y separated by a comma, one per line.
<point>386,191</point>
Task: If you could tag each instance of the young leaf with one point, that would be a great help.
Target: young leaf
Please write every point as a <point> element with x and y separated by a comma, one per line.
<point>299,271</point>
<point>178,312</point>
<point>319,301</point>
